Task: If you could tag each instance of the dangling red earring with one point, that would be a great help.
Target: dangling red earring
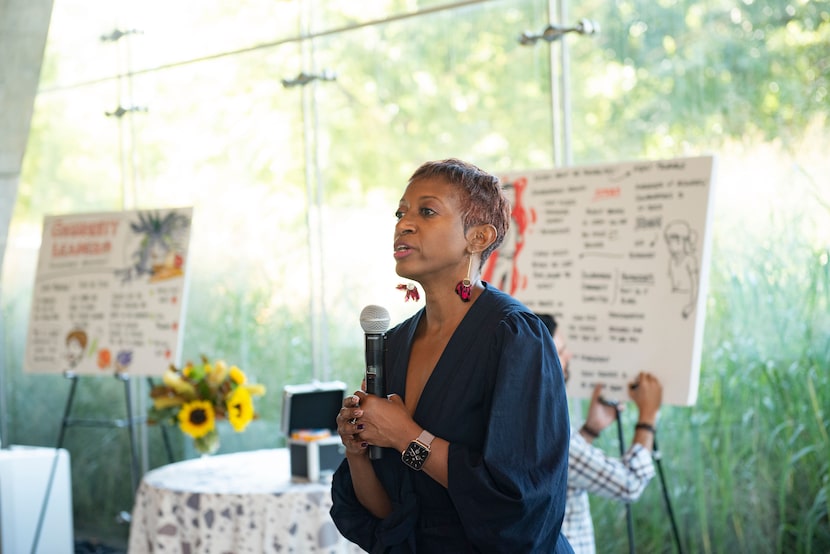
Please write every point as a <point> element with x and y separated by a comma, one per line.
<point>411,292</point>
<point>464,288</point>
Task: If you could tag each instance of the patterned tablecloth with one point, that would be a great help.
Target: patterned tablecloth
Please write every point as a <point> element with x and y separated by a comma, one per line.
<point>233,503</point>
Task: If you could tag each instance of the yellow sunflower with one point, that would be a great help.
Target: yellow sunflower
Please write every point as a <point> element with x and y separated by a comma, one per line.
<point>197,418</point>
<point>237,375</point>
<point>240,408</point>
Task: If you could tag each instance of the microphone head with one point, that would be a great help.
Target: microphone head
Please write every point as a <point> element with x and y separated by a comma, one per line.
<point>374,319</point>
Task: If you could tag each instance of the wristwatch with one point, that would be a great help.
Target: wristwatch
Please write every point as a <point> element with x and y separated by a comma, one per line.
<point>416,453</point>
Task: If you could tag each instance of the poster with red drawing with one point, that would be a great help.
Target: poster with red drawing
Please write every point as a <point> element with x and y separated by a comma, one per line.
<point>619,255</point>
<point>109,293</point>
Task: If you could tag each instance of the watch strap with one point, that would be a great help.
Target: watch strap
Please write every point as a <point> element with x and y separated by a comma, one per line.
<point>425,438</point>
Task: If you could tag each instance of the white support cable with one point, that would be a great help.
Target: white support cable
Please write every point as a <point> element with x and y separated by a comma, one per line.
<point>302,37</point>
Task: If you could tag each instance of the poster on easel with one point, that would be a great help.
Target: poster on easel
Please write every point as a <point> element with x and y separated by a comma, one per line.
<point>619,254</point>
<point>109,293</point>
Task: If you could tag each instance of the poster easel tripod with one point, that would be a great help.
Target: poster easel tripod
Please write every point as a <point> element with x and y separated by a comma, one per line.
<point>130,422</point>
<point>656,456</point>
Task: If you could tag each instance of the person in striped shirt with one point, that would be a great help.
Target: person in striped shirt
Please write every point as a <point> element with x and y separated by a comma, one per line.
<point>590,469</point>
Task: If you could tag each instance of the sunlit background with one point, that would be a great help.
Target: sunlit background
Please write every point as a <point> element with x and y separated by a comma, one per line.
<point>294,182</point>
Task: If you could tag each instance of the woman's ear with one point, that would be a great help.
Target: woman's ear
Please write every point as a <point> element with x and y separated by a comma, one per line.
<point>479,237</point>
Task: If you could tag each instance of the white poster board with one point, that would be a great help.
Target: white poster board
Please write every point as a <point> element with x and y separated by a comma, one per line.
<point>619,255</point>
<point>109,293</point>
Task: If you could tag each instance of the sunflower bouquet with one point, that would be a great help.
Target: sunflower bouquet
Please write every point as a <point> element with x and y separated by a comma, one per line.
<point>196,396</point>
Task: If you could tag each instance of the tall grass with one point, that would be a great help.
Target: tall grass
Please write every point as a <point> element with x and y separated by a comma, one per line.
<point>748,467</point>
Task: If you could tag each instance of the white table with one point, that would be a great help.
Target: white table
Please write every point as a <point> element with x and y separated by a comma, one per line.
<point>241,503</point>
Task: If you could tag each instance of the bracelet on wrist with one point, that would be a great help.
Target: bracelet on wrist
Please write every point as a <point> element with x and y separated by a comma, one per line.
<point>646,427</point>
<point>590,432</point>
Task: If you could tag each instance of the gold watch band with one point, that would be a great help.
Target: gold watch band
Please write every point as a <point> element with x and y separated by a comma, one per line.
<point>425,438</point>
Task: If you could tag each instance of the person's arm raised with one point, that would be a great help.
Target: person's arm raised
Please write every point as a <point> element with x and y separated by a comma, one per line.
<point>647,393</point>
<point>599,416</point>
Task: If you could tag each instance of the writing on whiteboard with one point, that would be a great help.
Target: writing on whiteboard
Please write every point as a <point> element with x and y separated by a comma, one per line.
<point>618,253</point>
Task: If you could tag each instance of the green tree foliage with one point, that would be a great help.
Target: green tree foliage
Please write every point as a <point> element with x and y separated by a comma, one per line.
<point>664,76</point>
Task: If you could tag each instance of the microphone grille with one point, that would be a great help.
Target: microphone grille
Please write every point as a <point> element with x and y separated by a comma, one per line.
<point>374,319</point>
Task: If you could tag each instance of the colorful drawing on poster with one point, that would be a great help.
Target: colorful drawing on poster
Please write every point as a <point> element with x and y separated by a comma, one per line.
<point>76,341</point>
<point>123,360</point>
<point>104,359</point>
<point>161,248</point>
<point>502,269</point>
<point>109,292</point>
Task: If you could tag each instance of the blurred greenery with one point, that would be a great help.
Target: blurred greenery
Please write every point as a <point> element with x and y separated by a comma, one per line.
<point>285,182</point>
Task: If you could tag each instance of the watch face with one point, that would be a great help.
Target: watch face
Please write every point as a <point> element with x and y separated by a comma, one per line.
<point>415,455</point>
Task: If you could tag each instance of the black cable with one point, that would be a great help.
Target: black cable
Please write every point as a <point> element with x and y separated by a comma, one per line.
<point>656,457</point>
<point>628,515</point>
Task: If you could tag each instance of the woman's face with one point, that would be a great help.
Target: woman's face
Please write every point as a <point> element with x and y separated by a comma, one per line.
<point>429,235</point>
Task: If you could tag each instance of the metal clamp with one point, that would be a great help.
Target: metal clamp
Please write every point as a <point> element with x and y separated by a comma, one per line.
<point>303,78</point>
<point>555,32</point>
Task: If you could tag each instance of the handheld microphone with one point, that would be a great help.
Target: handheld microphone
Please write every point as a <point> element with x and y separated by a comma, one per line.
<point>375,321</point>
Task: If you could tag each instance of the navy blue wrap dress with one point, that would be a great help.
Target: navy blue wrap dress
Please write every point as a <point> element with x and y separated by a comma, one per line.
<point>497,394</point>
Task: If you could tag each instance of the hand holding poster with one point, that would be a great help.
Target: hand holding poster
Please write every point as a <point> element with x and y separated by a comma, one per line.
<point>109,293</point>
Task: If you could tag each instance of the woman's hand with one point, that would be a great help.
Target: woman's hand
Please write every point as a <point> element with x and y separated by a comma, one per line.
<point>385,421</point>
<point>349,426</point>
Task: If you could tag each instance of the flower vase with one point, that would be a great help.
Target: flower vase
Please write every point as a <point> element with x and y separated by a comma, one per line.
<point>207,444</point>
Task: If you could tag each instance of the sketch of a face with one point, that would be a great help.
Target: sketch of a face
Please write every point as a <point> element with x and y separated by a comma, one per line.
<point>683,271</point>
<point>75,346</point>
<point>679,239</point>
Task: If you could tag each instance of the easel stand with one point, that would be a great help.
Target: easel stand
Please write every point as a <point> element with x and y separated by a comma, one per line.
<point>657,456</point>
<point>130,423</point>
<point>629,517</point>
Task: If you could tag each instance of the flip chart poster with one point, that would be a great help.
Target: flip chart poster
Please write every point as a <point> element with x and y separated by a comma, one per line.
<point>109,293</point>
<point>619,255</point>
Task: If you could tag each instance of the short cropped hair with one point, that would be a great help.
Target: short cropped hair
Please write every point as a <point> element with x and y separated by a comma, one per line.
<point>482,197</point>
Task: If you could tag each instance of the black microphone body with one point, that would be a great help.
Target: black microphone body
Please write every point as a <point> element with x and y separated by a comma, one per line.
<point>375,321</point>
<point>375,354</point>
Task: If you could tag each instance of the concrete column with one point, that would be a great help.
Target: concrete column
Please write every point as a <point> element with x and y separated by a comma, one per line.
<point>23,28</point>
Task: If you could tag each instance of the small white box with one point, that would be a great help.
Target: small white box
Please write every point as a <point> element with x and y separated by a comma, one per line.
<point>313,406</point>
<point>24,475</point>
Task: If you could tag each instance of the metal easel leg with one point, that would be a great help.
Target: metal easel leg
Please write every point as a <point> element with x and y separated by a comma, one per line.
<point>131,429</point>
<point>629,517</point>
<point>64,424</point>
<point>657,457</point>
<point>68,408</point>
